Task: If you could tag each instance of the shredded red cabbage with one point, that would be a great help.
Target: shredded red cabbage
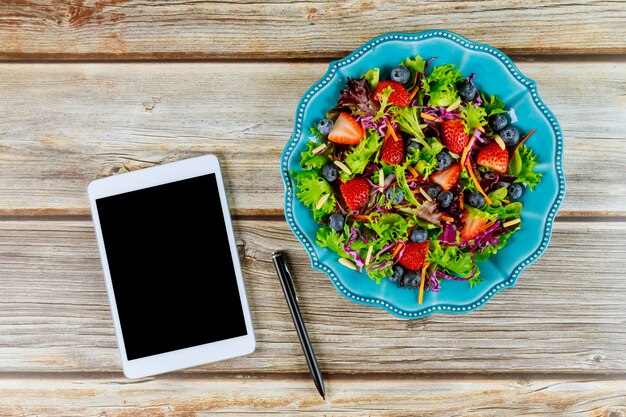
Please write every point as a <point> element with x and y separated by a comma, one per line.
<point>449,233</point>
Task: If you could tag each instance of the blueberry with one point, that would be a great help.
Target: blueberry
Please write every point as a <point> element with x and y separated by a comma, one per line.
<point>515,190</point>
<point>394,195</point>
<point>433,190</point>
<point>509,135</point>
<point>398,272</point>
<point>411,279</point>
<point>476,199</point>
<point>497,122</point>
<point>418,235</point>
<point>467,91</point>
<point>329,172</point>
<point>400,74</point>
<point>445,199</point>
<point>324,126</point>
<point>412,144</point>
<point>336,222</point>
<point>443,160</point>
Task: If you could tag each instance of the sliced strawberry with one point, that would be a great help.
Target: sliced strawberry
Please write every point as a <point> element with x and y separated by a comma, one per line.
<point>413,255</point>
<point>448,177</point>
<point>346,131</point>
<point>355,192</point>
<point>454,136</point>
<point>473,226</point>
<point>494,157</point>
<point>392,151</point>
<point>399,96</point>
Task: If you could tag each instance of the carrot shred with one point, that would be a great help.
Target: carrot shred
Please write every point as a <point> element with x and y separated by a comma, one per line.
<point>461,201</point>
<point>393,132</point>
<point>428,117</point>
<point>505,201</point>
<point>415,89</point>
<point>473,177</point>
<point>467,148</point>
<point>447,218</point>
<point>359,217</point>
<point>482,129</point>
<point>416,190</point>
<point>396,250</point>
<point>420,298</point>
<point>413,171</point>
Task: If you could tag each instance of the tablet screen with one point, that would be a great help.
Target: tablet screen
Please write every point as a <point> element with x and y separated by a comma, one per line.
<point>171,267</point>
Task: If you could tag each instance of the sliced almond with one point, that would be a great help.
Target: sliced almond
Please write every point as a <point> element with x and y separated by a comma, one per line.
<point>425,194</point>
<point>368,258</point>
<point>320,148</point>
<point>454,155</point>
<point>511,222</point>
<point>381,179</point>
<point>347,263</point>
<point>499,141</point>
<point>343,167</point>
<point>423,125</point>
<point>454,105</point>
<point>321,201</point>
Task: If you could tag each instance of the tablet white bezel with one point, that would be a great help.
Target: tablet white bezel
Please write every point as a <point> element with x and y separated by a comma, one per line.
<point>196,355</point>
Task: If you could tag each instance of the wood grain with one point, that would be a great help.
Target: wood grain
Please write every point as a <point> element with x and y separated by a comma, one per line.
<point>175,397</point>
<point>64,125</point>
<point>131,29</point>
<point>566,313</point>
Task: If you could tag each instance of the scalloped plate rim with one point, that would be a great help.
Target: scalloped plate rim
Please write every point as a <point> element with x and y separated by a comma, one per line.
<point>542,243</point>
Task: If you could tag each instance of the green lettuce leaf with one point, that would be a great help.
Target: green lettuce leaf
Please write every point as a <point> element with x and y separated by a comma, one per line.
<point>408,120</point>
<point>416,65</point>
<point>450,259</point>
<point>311,188</point>
<point>442,83</point>
<point>428,157</point>
<point>329,238</point>
<point>473,117</point>
<point>389,226</point>
<point>310,160</point>
<point>360,155</point>
<point>383,98</point>
<point>529,161</point>
<point>372,76</point>
<point>492,105</point>
<point>515,164</point>
<point>499,208</point>
<point>404,185</point>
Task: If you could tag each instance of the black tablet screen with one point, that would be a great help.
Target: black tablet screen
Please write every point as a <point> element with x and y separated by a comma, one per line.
<point>171,266</point>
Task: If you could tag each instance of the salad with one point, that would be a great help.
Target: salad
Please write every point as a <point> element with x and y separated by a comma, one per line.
<point>415,175</point>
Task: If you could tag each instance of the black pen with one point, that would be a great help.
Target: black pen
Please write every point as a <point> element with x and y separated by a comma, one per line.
<point>292,301</point>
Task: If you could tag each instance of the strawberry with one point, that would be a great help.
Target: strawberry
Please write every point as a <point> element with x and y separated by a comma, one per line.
<point>355,192</point>
<point>494,157</point>
<point>392,151</point>
<point>399,95</point>
<point>346,131</point>
<point>473,226</point>
<point>454,136</point>
<point>448,177</point>
<point>413,255</point>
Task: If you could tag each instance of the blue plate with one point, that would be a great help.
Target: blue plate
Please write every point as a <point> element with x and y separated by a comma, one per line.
<point>495,74</point>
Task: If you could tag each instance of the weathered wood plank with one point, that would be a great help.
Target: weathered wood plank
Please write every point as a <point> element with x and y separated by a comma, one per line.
<point>189,397</point>
<point>64,125</point>
<point>131,29</point>
<point>565,315</point>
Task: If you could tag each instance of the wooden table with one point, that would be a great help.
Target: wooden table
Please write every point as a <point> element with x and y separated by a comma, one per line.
<point>90,88</point>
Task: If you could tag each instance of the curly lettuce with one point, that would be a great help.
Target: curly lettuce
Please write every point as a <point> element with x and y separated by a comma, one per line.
<point>312,187</point>
<point>442,83</point>
<point>358,158</point>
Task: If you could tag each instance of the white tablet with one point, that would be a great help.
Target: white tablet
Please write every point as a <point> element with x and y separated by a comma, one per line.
<point>171,266</point>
